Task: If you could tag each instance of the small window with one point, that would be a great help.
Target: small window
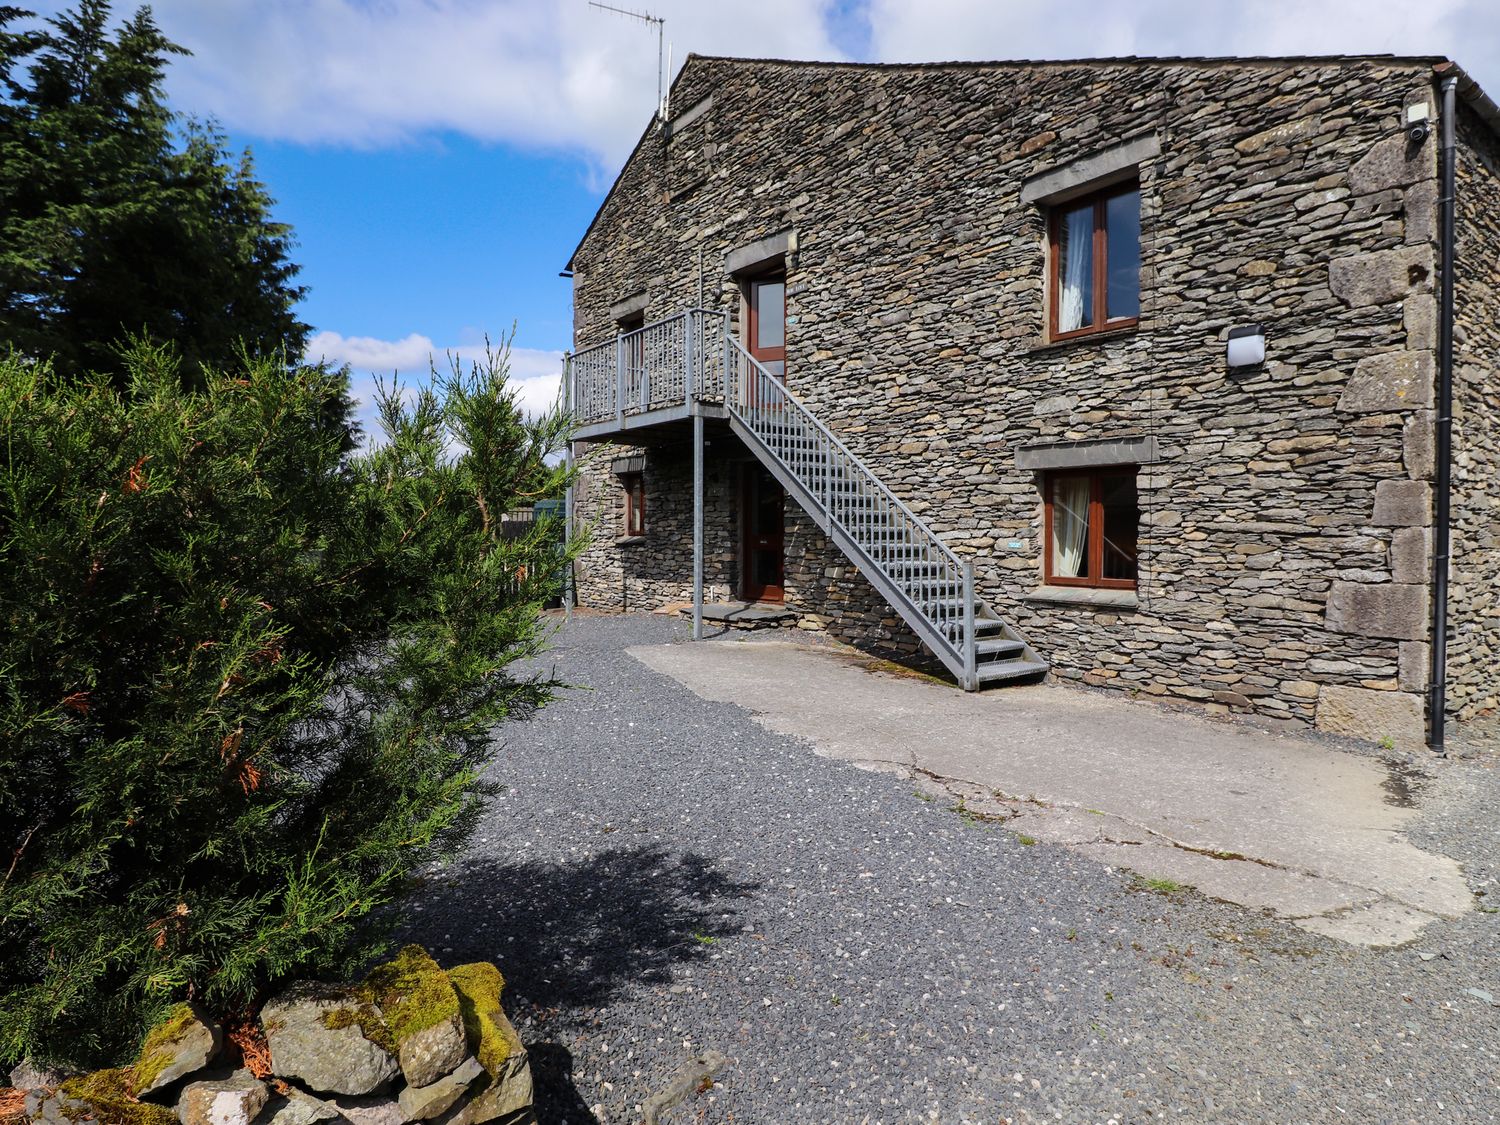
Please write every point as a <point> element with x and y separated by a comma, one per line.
<point>634,485</point>
<point>1096,262</point>
<point>1092,521</point>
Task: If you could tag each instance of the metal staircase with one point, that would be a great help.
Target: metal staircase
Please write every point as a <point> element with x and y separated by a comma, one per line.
<point>912,568</point>
<point>905,560</point>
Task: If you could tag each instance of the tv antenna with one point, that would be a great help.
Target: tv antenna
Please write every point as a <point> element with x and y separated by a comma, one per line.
<point>646,18</point>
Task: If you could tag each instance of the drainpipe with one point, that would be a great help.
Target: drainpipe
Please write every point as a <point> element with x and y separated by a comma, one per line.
<point>1441,547</point>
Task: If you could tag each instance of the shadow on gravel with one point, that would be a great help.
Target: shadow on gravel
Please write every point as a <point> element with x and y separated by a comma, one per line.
<point>557,1098</point>
<point>569,935</point>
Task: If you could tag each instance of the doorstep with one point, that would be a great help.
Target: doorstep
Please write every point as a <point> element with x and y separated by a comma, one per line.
<point>746,615</point>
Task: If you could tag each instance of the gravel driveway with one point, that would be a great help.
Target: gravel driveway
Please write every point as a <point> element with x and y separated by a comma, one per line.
<point>664,879</point>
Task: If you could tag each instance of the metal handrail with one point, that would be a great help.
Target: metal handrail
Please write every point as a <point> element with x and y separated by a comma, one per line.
<point>938,586</point>
<point>848,453</point>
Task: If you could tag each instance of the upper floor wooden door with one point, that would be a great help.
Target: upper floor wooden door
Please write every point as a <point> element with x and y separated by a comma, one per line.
<point>766,326</point>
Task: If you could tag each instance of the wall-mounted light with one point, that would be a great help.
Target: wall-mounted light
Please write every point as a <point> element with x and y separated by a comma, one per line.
<point>1247,345</point>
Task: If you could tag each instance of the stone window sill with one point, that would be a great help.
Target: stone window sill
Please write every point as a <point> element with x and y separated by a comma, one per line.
<point>1081,596</point>
<point>1104,336</point>
<point>630,540</point>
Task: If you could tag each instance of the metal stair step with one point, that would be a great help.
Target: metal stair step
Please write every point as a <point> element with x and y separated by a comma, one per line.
<point>997,648</point>
<point>982,626</point>
<point>1002,671</point>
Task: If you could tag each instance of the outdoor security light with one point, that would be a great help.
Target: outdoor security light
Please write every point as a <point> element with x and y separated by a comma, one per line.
<point>1247,346</point>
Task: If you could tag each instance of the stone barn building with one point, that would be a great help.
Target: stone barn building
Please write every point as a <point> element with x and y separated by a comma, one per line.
<point>1130,372</point>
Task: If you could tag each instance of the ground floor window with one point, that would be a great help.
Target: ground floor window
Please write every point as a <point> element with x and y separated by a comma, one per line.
<point>634,485</point>
<point>1092,522</point>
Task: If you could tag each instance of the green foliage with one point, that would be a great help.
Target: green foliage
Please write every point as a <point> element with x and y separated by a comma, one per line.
<point>116,219</point>
<point>248,679</point>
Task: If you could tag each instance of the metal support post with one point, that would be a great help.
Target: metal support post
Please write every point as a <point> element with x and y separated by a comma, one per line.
<point>971,668</point>
<point>620,381</point>
<point>697,527</point>
<point>567,584</point>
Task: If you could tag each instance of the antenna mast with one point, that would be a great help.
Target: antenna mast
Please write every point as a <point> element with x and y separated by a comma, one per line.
<point>646,18</point>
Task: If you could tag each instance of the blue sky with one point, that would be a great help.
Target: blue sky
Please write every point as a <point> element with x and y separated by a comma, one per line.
<point>439,159</point>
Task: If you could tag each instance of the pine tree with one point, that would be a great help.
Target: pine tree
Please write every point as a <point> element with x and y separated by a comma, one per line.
<point>248,679</point>
<point>116,218</point>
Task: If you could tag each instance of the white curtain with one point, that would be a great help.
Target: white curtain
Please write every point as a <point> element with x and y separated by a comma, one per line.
<point>1070,526</point>
<point>1078,256</point>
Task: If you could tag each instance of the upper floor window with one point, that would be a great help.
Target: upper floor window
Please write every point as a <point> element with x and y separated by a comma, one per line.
<point>1096,262</point>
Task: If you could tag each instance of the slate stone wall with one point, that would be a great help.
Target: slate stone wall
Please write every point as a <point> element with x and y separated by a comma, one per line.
<point>1283,525</point>
<point>657,568</point>
<point>1474,591</point>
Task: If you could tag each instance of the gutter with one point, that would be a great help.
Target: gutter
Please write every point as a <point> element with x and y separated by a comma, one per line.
<point>1437,681</point>
<point>1470,91</point>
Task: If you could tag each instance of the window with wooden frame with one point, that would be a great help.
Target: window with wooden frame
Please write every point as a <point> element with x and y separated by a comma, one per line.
<point>1092,524</point>
<point>1095,262</point>
<point>634,485</point>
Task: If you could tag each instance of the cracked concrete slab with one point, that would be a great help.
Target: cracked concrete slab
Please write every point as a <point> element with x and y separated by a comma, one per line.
<point>1270,821</point>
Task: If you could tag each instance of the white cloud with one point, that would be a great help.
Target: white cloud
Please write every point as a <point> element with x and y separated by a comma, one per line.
<point>909,30</point>
<point>535,373</point>
<point>557,75</point>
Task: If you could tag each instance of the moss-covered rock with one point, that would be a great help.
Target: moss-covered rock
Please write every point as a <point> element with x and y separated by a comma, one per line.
<point>492,1039</point>
<point>420,1009</point>
<point>180,1044</point>
<point>318,1035</point>
<point>103,1096</point>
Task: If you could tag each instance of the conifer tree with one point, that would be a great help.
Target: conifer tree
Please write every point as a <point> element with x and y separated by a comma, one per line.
<point>119,219</point>
<point>248,679</point>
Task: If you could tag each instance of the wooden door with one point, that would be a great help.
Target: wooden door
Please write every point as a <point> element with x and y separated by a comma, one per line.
<point>762,523</point>
<point>767,323</point>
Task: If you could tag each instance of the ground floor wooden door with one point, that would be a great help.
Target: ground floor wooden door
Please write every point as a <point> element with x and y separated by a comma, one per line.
<point>762,520</point>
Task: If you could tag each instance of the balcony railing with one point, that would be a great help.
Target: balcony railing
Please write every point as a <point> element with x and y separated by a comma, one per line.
<point>667,363</point>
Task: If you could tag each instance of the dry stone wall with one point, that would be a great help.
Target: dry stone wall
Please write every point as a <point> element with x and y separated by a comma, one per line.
<point>1285,520</point>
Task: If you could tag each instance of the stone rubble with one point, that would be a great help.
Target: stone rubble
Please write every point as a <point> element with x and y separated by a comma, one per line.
<point>322,1039</point>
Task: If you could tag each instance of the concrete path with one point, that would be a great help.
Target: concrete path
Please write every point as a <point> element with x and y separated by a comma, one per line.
<point>1268,821</point>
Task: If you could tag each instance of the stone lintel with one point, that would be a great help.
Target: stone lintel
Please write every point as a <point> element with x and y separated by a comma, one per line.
<point>1089,172</point>
<point>761,252</point>
<point>1088,454</point>
<point>1393,610</point>
<point>628,307</point>
<point>633,464</point>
